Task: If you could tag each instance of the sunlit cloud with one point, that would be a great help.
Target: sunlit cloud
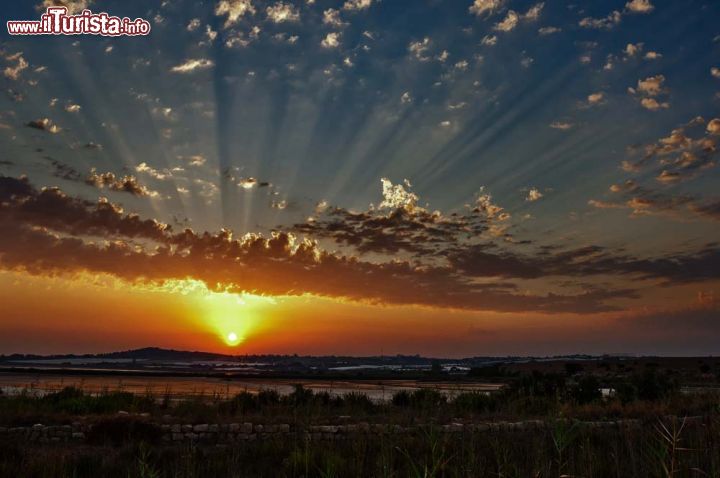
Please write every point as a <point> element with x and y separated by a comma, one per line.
<point>331,40</point>
<point>639,6</point>
<point>234,9</point>
<point>281,12</point>
<point>192,65</point>
<point>14,72</point>
<point>482,7</point>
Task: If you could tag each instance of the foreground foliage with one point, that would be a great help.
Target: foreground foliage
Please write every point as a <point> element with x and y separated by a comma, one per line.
<point>125,440</point>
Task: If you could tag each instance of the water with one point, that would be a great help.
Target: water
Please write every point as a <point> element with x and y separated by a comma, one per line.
<point>186,387</point>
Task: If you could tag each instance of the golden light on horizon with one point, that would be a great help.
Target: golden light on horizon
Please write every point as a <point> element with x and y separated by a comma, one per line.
<point>234,317</point>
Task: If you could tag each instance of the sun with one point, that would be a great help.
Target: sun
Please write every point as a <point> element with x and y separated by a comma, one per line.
<point>232,338</point>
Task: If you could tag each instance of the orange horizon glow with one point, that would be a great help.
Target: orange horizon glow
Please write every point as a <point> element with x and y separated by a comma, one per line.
<point>93,314</point>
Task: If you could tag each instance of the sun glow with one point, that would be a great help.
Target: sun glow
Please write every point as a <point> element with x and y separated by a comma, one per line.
<point>233,317</point>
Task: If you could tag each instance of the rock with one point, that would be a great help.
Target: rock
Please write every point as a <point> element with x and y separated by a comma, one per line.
<point>122,412</point>
<point>176,428</point>
<point>201,428</point>
<point>177,436</point>
<point>246,428</point>
<point>284,428</point>
<point>234,427</point>
<point>214,428</point>
<point>186,428</point>
<point>78,436</point>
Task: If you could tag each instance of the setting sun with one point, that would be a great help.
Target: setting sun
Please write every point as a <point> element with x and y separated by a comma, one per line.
<point>232,338</point>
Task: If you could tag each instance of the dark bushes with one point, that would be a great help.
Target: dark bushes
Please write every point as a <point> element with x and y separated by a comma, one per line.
<point>120,431</point>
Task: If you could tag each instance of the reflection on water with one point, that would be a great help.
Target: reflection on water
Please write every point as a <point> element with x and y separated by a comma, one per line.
<point>180,387</point>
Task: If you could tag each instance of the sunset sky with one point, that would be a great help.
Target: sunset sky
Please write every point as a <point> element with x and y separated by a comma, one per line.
<point>436,177</point>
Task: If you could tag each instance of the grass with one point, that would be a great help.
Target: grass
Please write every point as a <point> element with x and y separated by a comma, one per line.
<point>661,446</point>
<point>645,452</point>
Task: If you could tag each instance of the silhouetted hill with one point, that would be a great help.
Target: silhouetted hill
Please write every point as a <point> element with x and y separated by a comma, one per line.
<point>156,353</point>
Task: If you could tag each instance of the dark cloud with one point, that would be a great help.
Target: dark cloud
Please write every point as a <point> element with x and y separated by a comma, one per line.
<point>589,261</point>
<point>641,201</point>
<point>64,171</point>
<point>50,208</point>
<point>128,183</point>
<point>466,242</point>
<point>48,232</point>
<point>417,232</point>
<point>44,124</point>
<point>399,224</point>
<point>681,156</point>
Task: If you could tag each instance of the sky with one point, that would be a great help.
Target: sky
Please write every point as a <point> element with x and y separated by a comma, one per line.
<point>438,177</point>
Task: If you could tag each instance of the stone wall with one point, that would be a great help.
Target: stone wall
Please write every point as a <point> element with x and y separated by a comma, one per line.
<point>219,433</point>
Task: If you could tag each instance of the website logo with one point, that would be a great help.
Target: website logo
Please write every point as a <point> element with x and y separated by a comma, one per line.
<point>56,21</point>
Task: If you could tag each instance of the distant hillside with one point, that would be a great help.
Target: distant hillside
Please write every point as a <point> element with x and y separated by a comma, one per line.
<point>147,353</point>
<point>156,353</point>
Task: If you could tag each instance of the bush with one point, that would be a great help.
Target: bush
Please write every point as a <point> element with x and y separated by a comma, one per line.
<point>401,399</point>
<point>121,431</point>
<point>299,396</point>
<point>537,384</point>
<point>357,401</point>
<point>626,392</point>
<point>243,402</point>
<point>587,390</point>
<point>268,397</point>
<point>75,401</point>
<point>427,398</point>
<point>473,402</point>
<point>652,386</point>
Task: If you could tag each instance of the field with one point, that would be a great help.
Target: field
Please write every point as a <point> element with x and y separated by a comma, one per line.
<point>655,421</point>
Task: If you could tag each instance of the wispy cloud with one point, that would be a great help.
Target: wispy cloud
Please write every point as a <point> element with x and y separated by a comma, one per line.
<point>192,65</point>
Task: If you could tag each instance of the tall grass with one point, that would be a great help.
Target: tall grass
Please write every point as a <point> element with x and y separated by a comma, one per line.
<point>647,452</point>
<point>660,446</point>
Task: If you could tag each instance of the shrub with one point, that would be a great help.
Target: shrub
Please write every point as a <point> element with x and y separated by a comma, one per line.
<point>427,398</point>
<point>358,401</point>
<point>299,396</point>
<point>243,402</point>
<point>121,431</point>
<point>653,386</point>
<point>473,402</point>
<point>626,392</point>
<point>401,399</point>
<point>537,384</point>
<point>268,397</point>
<point>587,390</point>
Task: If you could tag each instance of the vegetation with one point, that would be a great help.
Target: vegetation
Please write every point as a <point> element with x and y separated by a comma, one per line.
<point>663,445</point>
